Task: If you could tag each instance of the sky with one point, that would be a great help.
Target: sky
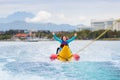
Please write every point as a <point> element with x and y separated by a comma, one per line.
<point>63,11</point>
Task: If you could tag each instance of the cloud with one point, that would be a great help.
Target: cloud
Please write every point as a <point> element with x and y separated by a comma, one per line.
<point>74,10</point>
<point>45,16</point>
<point>71,20</point>
<point>40,17</point>
<point>63,18</point>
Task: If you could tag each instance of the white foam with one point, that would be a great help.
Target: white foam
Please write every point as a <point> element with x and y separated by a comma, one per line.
<point>99,51</point>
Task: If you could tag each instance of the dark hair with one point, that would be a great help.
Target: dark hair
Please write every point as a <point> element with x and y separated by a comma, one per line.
<point>65,36</point>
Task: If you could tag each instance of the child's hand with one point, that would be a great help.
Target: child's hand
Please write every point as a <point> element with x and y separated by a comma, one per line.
<point>53,33</point>
<point>75,34</point>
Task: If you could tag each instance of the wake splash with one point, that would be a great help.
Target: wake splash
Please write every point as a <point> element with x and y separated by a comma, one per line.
<point>24,60</point>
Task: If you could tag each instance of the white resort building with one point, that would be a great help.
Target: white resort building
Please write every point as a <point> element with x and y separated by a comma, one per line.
<point>117,25</point>
<point>101,24</point>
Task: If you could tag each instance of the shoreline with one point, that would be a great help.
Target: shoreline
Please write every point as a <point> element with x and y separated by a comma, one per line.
<point>54,40</point>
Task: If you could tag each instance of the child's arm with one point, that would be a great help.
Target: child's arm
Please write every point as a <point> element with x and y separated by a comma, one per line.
<point>56,38</point>
<point>71,39</point>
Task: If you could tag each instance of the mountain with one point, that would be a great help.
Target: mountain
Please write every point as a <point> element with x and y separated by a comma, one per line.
<point>36,26</point>
<point>17,16</point>
<point>17,21</point>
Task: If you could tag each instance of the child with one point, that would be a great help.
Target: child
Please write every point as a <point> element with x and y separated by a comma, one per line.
<point>63,41</point>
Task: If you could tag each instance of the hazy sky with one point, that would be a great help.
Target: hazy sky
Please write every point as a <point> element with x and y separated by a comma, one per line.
<point>63,11</point>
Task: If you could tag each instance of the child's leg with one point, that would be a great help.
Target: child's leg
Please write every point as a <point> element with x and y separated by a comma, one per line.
<point>57,50</point>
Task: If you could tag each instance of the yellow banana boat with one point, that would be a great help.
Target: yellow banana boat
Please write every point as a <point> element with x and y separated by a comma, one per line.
<point>65,55</point>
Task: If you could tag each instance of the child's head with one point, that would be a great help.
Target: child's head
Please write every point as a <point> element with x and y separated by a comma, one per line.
<point>64,38</point>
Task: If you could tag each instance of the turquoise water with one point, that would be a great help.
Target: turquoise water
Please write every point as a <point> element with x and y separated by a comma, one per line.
<point>30,61</point>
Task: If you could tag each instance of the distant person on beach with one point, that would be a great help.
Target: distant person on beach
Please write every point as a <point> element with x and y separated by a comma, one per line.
<point>63,41</point>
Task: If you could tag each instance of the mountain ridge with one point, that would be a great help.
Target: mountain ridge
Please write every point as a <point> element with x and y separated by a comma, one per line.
<point>17,21</point>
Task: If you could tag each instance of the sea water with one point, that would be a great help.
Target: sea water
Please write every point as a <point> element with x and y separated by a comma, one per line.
<point>30,61</point>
